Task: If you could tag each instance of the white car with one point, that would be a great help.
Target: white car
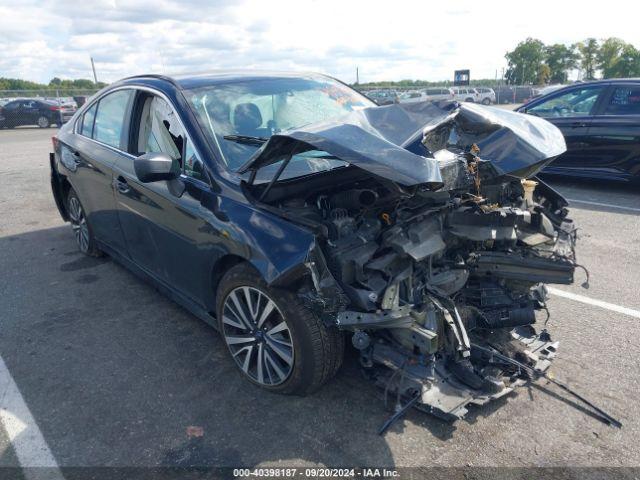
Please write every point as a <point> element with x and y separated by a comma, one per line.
<point>412,97</point>
<point>486,94</point>
<point>466,94</point>
<point>436,94</point>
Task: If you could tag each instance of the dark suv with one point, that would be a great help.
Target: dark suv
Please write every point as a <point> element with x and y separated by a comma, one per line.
<point>600,122</point>
<point>293,214</point>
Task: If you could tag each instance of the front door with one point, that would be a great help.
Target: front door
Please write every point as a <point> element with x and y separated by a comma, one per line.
<point>163,225</point>
<point>572,112</point>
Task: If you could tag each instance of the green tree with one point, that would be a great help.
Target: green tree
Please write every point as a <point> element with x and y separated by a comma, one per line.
<point>83,83</point>
<point>608,56</point>
<point>560,60</point>
<point>588,57</point>
<point>525,62</point>
<point>628,63</point>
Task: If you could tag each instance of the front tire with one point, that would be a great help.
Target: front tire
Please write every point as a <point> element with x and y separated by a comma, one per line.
<point>275,341</point>
<point>81,229</point>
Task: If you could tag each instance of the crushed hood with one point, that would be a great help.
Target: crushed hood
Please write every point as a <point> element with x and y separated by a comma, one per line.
<point>397,142</point>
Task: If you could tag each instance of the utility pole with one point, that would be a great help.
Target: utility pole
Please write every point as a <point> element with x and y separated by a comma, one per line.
<point>357,76</point>
<point>93,67</point>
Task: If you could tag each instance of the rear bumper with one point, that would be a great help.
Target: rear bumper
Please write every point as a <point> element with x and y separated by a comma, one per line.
<point>57,188</point>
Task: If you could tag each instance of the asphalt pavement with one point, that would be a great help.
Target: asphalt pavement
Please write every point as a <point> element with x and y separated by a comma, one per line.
<point>115,374</point>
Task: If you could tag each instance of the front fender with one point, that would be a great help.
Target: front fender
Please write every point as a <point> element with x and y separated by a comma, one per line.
<point>276,247</point>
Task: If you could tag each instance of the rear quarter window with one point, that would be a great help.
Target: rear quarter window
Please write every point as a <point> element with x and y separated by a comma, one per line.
<point>86,125</point>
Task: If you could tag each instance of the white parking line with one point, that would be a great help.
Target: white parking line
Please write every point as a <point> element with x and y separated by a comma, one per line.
<point>608,205</point>
<point>598,303</point>
<point>23,432</point>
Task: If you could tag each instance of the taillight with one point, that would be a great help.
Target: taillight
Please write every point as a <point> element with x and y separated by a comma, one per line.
<point>55,108</point>
<point>54,141</point>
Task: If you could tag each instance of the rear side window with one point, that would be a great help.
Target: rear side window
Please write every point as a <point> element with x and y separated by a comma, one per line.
<point>109,120</point>
<point>624,101</point>
<point>87,121</point>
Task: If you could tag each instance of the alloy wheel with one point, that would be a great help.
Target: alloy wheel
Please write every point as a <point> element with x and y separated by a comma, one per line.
<point>258,336</point>
<point>79,224</point>
<point>43,122</point>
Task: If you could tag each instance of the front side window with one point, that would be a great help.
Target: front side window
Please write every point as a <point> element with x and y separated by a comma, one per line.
<point>192,164</point>
<point>109,121</point>
<point>262,107</point>
<point>575,103</point>
<point>161,131</point>
<point>624,101</point>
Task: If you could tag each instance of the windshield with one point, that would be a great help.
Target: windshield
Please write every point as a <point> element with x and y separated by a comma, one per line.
<point>265,106</point>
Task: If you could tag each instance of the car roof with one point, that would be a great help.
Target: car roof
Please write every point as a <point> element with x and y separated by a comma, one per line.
<point>194,80</point>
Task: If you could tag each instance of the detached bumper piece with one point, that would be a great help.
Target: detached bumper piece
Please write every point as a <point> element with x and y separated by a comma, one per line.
<point>446,387</point>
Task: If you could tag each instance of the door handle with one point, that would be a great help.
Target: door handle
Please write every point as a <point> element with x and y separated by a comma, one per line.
<point>121,185</point>
<point>578,124</point>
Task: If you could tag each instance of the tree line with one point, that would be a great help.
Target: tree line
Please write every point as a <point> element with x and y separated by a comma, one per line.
<point>54,84</point>
<point>533,62</point>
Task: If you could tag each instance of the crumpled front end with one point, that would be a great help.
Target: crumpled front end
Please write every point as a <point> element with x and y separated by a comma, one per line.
<point>440,289</point>
<point>440,281</point>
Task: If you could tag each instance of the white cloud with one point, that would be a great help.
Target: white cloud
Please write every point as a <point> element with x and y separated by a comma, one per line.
<point>386,40</point>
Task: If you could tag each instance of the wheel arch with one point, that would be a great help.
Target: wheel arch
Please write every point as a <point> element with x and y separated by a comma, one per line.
<point>222,265</point>
<point>219,268</point>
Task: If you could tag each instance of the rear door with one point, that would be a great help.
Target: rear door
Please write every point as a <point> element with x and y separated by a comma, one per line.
<point>615,134</point>
<point>28,112</point>
<point>89,155</point>
<point>572,111</point>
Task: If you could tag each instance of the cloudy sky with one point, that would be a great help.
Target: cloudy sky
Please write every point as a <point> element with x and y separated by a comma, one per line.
<point>393,39</point>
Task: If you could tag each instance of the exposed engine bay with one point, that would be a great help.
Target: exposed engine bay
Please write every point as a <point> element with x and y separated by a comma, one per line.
<point>438,286</point>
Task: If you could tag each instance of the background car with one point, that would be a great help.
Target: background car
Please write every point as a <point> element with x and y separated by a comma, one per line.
<point>465,94</point>
<point>439,93</point>
<point>27,111</point>
<point>382,97</point>
<point>486,95</point>
<point>412,97</point>
<point>514,93</point>
<point>600,122</point>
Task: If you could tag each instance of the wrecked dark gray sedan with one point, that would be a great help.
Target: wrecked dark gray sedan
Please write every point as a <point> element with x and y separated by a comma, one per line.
<point>294,215</point>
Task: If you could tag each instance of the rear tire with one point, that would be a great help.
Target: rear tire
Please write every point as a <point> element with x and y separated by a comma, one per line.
<point>81,228</point>
<point>43,122</point>
<point>288,350</point>
<point>486,101</point>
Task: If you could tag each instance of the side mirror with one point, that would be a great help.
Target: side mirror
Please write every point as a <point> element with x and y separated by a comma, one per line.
<point>156,166</point>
